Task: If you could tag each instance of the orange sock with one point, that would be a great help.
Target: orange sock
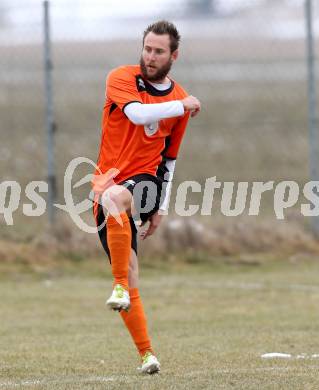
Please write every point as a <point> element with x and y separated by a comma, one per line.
<point>135,321</point>
<point>119,243</point>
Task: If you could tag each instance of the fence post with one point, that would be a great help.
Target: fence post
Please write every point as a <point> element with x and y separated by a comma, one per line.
<point>50,125</point>
<point>312,104</point>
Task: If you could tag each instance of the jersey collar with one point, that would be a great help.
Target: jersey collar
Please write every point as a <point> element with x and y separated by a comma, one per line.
<point>144,85</point>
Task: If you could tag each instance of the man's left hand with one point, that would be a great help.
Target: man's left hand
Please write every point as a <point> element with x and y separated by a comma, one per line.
<point>154,221</point>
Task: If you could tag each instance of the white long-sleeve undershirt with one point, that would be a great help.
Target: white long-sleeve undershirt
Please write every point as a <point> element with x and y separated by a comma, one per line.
<point>145,114</point>
<point>170,166</point>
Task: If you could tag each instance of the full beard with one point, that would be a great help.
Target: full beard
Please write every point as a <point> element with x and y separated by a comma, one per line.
<point>159,75</point>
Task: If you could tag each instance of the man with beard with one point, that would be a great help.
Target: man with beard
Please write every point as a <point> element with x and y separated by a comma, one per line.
<point>144,120</point>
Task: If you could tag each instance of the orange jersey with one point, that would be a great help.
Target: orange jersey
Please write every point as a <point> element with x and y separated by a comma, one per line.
<point>128,147</point>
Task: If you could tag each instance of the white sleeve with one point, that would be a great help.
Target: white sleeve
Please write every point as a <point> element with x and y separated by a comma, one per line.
<point>145,114</point>
<point>168,177</point>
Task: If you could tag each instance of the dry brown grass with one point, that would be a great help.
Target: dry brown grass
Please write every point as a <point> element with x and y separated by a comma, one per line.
<point>186,239</point>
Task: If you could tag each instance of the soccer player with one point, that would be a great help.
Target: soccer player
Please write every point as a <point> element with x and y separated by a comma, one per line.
<point>144,120</point>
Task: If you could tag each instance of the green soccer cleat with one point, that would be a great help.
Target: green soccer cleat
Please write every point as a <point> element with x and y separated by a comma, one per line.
<point>119,300</point>
<point>150,364</point>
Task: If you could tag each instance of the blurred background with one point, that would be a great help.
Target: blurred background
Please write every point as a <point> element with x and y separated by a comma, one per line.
<point>246,60</point>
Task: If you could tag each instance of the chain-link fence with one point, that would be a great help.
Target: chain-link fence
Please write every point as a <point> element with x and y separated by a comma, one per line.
<point>246,61</point>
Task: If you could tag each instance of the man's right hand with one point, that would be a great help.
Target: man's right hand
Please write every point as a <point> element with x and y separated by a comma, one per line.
<point>192,104</point>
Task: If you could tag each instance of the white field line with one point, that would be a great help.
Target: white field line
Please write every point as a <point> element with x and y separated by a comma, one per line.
<point>101,379</point>
<point>280,355</point>
<point>264,369</point>
<point>73,380</point>
<point>250,370</point>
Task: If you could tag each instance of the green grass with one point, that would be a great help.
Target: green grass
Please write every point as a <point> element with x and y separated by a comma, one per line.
<point>209,326</point>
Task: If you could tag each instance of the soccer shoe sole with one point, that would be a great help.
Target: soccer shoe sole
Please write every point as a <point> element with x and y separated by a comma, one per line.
<point>118,306</point>
<point>152,368</point>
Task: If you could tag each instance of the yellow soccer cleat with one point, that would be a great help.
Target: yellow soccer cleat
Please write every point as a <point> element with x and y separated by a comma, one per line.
<point>119,300</point>
<point>150,364</point>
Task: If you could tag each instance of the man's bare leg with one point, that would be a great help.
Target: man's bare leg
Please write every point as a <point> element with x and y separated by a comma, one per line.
<point>133,271</point>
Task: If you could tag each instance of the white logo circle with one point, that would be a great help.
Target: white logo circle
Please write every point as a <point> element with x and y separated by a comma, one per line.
<point>151,129</point>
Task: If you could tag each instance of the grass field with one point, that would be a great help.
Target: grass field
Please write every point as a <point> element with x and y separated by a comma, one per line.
<point>210,326</point>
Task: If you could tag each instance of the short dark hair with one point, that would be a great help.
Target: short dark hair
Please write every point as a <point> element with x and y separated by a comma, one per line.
<point>163,27</point>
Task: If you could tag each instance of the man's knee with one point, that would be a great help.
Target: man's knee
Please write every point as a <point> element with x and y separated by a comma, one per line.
<point>116,199</point>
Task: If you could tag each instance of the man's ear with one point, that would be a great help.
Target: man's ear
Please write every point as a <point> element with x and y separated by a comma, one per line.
<point>175,55</point>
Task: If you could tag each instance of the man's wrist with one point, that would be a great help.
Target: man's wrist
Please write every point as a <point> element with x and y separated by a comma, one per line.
<point>182,105</point>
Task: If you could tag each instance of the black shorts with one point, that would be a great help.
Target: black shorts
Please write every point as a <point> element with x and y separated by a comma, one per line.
<point>147,194</point>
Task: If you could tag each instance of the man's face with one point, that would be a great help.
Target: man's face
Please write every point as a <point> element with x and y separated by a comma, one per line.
<point>156,59</point>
